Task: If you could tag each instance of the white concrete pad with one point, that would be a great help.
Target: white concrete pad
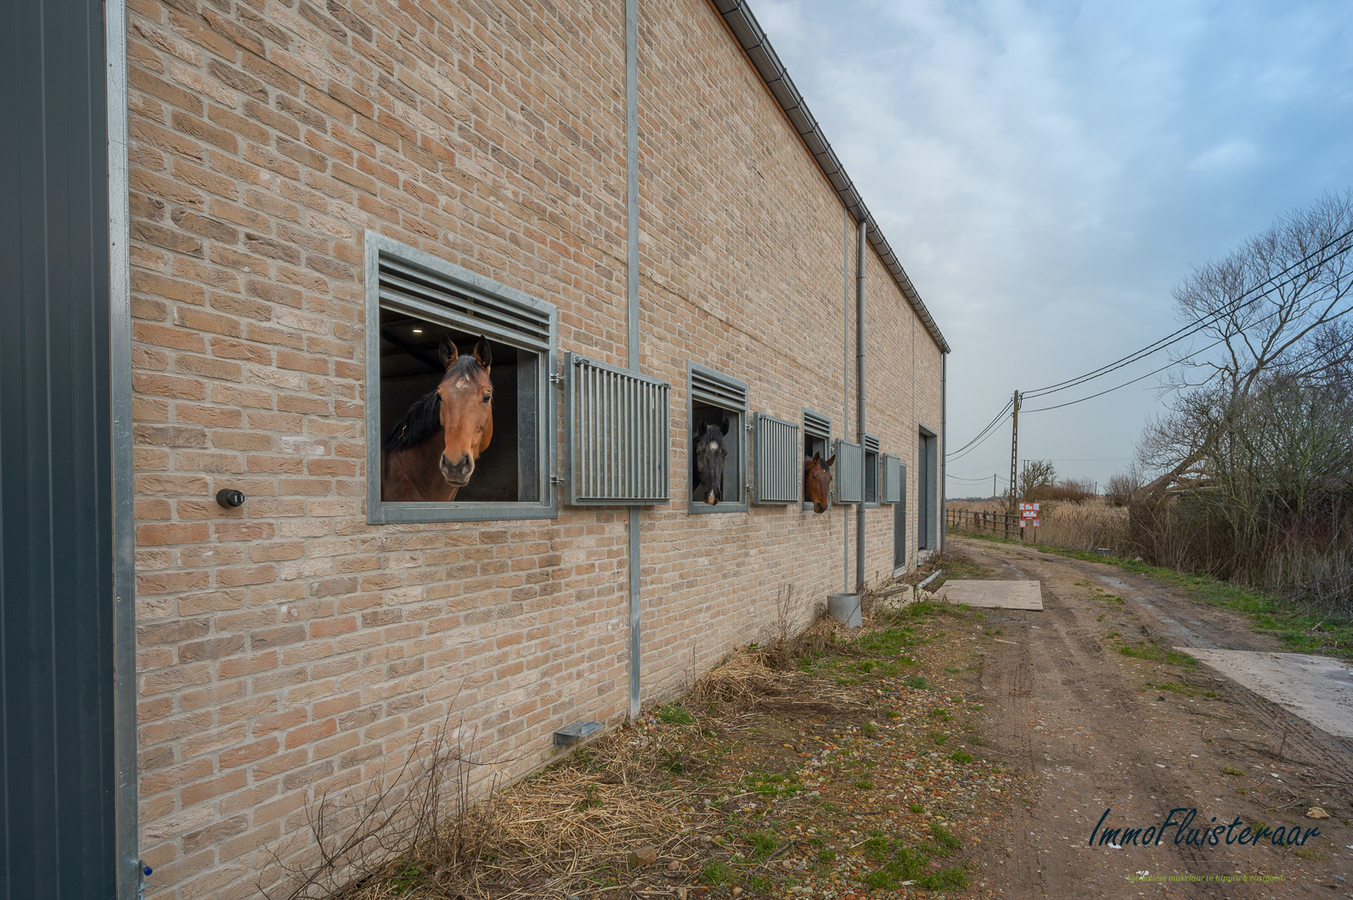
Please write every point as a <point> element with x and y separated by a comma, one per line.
<point>1317,688</point>
<point>993,594</point>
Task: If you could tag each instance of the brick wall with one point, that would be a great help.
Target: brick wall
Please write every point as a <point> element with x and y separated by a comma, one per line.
<point>287,650</point>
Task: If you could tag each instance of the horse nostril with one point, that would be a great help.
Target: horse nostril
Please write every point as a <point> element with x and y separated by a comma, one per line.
<point>463,468</point>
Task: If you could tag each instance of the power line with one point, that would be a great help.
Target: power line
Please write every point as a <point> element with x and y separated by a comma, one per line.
<point>983,434</point>
<point>1198,324</point>
<point>1156,346</point>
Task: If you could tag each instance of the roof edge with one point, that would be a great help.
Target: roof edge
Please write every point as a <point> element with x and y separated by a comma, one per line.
<point>762,55</point>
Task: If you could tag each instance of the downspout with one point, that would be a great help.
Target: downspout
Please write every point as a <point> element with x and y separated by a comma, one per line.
<point>944,441</point>
<point>128,878</point>
<point>845,386</point>
<point>632,308</point>
<point>859,393</point>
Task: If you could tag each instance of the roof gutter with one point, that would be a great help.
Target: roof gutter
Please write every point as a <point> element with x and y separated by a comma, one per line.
<point>758,49</point>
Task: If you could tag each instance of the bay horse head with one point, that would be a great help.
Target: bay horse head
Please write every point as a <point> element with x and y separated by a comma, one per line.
<point>817,482</point>
<point>431,452</point>
<point>709,451</point>
<point>466,405</point>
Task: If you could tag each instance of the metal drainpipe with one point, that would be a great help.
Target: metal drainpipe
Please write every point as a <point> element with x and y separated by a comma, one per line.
<point>128,878</point>
<point>944,439</point>
<point>845,386</point>
<point>859,393</point>
<point>632,311</point>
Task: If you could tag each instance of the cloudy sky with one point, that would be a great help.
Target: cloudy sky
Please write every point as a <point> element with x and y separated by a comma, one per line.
<point>1048,171</point>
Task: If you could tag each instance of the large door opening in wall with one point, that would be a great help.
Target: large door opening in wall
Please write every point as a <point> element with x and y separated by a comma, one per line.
<point>927,489</point>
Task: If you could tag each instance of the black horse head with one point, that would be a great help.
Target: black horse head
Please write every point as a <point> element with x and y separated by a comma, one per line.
<point>708,453</point>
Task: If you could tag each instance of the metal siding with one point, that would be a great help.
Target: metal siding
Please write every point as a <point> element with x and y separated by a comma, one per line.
<point>779,471</point>
<point>849,467</point>
<point>618,431</point>
<point>56,566</point>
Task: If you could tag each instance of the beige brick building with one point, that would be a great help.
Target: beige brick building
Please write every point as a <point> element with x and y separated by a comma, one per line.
<point>317,194</point>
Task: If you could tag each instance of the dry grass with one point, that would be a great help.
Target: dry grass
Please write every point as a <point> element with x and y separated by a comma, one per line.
<point>1078,526</point>
<point>575,822</point>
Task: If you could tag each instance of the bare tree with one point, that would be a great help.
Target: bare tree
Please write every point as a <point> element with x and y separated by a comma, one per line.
<point>1275,307</point>
<point>1035,476</point>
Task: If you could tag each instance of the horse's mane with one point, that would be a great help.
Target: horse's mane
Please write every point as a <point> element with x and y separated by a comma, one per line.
<point>420,423</point>
<point>424,418</point>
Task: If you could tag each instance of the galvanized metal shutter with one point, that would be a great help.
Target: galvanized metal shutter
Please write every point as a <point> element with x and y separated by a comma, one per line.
<point>437,297</point>
<point>618,430</point>
<point>779,467</point>
<point>817,426</point>
<point>849,469</point>
<point>892,479</point>
<point>717,389</point>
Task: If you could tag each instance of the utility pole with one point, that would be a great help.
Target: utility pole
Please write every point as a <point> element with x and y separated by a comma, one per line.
<point>1014,453</point>
<point>993,486</point>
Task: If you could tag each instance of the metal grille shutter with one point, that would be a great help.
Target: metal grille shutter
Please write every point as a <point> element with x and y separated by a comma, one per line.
<point>709,386</point>
<point>438,298</point>
<point>617,434</point>
<point>849,469</point>
<point>779,470</point>
<point>892,479</point>
<point>816,426</point>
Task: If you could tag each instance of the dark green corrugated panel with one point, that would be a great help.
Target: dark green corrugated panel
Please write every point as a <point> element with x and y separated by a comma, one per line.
<point>56,685</point>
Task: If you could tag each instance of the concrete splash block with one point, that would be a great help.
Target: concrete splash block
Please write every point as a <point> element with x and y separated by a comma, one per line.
<point>993,594</point>
<point>1317,688</point>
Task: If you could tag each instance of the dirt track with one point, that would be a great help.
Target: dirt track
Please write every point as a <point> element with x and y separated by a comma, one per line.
<point>1093,730</point>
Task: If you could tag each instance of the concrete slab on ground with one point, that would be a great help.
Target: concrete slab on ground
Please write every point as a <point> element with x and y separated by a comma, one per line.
<point>993,594</point>
<point>1317,688</point>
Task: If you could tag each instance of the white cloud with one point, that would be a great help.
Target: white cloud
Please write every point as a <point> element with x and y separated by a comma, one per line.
<point>1047,169</point>
<point>1226,158</point>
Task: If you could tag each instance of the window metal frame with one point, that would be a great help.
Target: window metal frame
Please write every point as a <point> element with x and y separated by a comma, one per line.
<point>743,426</point>
<point>467,286</point>
<point>871,449</point>
<point>816,420</point>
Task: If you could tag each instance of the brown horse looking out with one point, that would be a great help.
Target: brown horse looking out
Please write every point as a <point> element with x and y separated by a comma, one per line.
<point>430,453</point>
<point>817,482</point>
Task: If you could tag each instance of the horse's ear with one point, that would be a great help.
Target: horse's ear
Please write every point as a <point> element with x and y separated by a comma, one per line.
<point>447,351</point>
<point>725,427</point>
<point>482,354</point>
<point>817,457</point>
<point>829,462</point>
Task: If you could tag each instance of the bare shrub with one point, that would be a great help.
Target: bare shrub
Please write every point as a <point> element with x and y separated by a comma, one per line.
<point>1121,487</point>
<point>426,810</point>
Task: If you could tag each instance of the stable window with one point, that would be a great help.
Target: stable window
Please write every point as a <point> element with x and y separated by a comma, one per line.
<point>871,471</point>
<point>817,439</point>
<point>778,471</point>
<point>459,411</point>
<point>616,435</point>
<point>849,478</point>
<point>718,447</point>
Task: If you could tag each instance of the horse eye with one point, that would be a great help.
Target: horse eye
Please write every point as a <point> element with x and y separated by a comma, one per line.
<point>488,398</point>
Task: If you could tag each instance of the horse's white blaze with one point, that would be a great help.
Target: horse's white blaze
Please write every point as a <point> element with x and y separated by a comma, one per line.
<point>713,448</point>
